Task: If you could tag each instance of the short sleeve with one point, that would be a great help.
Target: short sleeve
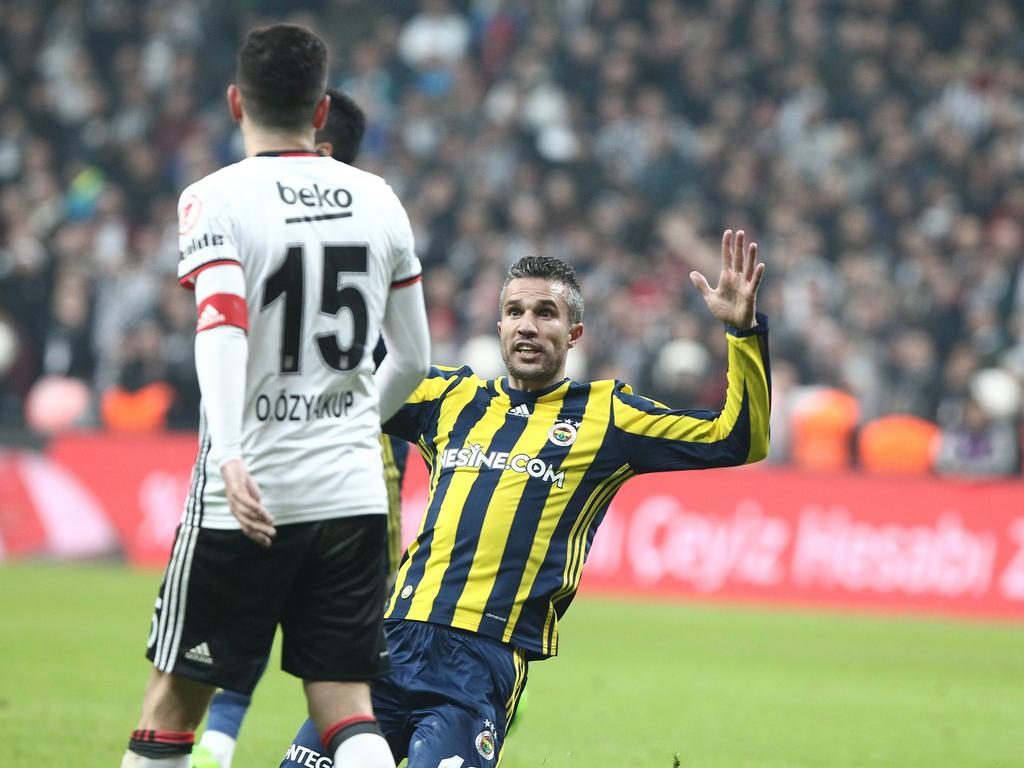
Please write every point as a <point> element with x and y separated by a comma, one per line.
<point>205,234</point>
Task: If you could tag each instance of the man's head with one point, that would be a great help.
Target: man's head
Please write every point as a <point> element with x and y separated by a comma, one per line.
<point>343,132</point>
<point>541,320</point>
<point>281,77</point>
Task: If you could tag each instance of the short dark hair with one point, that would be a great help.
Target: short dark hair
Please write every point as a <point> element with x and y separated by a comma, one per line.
<point>344,128</point>
<point>282,73</point>
<point>555,270</point>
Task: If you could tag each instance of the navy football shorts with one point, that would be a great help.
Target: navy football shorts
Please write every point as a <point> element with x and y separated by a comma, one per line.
<point>447,703</point>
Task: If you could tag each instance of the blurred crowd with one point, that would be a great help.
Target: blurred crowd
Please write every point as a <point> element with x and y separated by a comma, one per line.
<point>874,149</point>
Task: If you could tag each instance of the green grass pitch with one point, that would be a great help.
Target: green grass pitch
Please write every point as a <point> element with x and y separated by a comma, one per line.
<point>638,684</point>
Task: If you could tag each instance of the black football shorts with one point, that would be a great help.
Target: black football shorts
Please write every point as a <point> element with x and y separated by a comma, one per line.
<point>223,596</point>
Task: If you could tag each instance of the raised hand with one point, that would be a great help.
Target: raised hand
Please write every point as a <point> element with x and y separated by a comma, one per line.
<point>732,301</point>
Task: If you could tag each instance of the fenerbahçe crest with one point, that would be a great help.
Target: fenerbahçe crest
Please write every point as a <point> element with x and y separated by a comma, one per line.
<point>563,433</point>
<point>485,741</point>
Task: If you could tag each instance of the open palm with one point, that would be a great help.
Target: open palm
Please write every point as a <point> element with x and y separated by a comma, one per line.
<point>732,301</point>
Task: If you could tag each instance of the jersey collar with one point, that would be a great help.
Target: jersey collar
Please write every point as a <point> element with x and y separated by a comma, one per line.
<point>290,153</point>
<point>538,395</point>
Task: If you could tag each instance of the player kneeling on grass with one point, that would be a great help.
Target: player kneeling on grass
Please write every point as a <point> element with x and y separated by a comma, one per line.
<point>522,470</point>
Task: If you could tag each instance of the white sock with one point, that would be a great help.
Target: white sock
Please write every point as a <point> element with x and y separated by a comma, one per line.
<point>364,750</point>
<point>132,760</point>
<point>221,746</point>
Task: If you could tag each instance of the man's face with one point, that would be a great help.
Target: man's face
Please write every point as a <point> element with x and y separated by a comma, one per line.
<point>535,331</point>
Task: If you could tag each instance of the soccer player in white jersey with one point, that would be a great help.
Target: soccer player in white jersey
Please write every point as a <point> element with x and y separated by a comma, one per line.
<point>299,264</point>
<point>340,137</point>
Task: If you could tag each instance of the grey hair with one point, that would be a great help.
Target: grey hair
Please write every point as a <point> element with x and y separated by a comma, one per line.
<point>555,270</point>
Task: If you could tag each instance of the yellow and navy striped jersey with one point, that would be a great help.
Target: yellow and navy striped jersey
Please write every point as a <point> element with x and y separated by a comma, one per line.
<point>520,481</point>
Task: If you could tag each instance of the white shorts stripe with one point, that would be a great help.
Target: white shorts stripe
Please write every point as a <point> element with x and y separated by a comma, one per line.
<point>178,625</point>
<point>173,607</point>
<point>170,579</point>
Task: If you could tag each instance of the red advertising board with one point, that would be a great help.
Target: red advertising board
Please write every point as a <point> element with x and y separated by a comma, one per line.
<point>141,481</point>
<point>917,544</point>
<point>753,534</point>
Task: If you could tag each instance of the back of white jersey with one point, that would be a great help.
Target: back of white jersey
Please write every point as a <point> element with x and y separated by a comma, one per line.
<point>321,244</point>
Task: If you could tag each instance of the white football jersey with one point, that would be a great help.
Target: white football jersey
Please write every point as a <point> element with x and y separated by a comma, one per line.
<point>320,244</point>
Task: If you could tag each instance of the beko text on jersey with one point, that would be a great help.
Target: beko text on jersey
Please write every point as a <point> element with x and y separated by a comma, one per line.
<point>315,197</point>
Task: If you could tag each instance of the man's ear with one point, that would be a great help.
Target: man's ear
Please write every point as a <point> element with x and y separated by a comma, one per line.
<point>575,334</point>
<point>235,102</point>
<point>320,113</point>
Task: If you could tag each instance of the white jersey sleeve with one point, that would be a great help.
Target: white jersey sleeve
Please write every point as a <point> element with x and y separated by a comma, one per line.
<point>206,234</point>
<point>406,267</point>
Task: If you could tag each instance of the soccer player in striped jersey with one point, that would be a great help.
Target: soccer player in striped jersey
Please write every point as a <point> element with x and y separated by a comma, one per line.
<point>522,470</point>
<point>299,265</point>
<point>339,138</point>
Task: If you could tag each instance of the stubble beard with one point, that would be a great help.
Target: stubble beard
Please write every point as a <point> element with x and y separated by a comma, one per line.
<point>547,368</point>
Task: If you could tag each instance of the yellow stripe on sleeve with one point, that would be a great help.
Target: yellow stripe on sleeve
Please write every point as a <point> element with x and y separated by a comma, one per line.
<point>432,387</point>
<point>746,375</point>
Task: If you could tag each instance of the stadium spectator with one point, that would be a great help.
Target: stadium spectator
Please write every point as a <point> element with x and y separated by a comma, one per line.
<point>875,147</point>
<point>981,440</point>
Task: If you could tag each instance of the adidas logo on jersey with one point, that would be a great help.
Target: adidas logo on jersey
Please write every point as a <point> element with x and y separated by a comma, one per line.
<point>200,653</point>
<point>520,410</point>
<point>209,317</point>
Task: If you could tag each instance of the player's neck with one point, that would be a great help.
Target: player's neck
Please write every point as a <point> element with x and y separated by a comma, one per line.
<point>259,140</point>
<point>534,386</point>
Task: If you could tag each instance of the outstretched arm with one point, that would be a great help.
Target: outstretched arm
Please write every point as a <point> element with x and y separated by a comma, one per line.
<point>732,301</point>
<point>655,438</point>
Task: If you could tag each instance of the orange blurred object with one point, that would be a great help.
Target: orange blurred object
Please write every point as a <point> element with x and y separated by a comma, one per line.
<point>823,422</point>
<point>144,410</point>
<point>898,445</point>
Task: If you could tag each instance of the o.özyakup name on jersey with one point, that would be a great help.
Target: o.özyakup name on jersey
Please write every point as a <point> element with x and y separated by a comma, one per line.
<point>292,407</point>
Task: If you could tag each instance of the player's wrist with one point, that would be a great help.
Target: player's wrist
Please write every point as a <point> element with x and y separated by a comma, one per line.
<point>758,325</point>
<point>227,457</point>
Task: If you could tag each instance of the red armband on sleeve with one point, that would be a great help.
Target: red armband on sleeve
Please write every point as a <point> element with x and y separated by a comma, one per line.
<point>223,309</point>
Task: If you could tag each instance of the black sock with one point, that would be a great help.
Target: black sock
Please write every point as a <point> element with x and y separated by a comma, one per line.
<point>156,744</point>
<point>346,729</point>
